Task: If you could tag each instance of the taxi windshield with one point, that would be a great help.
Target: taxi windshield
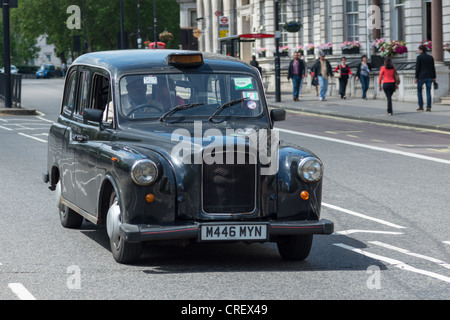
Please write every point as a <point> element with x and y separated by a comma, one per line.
<point>195,95</point>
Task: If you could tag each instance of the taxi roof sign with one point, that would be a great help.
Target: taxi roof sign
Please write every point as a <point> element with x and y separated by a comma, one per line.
<point>186,60</point>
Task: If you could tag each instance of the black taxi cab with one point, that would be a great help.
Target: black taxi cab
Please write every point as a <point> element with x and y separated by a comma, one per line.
<point>179,146</point>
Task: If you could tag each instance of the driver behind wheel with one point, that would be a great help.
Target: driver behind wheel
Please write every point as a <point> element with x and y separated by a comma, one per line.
<point>137,96</point>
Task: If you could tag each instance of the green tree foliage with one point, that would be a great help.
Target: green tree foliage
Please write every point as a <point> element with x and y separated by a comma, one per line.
<point>34,18</point>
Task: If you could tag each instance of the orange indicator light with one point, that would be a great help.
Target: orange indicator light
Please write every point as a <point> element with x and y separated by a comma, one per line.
<point>150,198</point>
<point>304,195</point>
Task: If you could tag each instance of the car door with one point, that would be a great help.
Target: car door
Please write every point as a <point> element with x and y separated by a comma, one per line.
<point>60,138</point>
<point>89,137</point>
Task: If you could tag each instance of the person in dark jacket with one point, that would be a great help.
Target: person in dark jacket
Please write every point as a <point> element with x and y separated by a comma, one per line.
<point>322,72</point>
<point>297,71</point>
<point>346,73</point>
<point>425,74</point>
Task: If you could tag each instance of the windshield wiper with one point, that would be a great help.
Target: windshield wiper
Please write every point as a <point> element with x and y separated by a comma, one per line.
<point>178,108</point>
<point>224,106</point>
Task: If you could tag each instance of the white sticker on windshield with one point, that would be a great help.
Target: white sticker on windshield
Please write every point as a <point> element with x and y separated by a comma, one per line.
<point>150,80</point>
<point>243,83</point>
<point>253,95</point>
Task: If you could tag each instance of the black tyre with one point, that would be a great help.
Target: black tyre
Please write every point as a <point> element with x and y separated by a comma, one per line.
<point>69,218</point>
<point>295,247</point>
<point>122,251</point>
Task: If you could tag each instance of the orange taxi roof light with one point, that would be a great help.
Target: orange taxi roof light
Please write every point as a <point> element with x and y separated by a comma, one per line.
<point>185,60</point>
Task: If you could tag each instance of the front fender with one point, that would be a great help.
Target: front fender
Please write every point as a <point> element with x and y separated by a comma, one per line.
<point>290,186</point>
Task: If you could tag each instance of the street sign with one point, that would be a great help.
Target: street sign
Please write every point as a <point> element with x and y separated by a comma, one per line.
<point>223,20</point>
<point>218,13</point>
<point>12,3</point>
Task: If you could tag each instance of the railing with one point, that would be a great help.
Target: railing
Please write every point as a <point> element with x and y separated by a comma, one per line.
<point>16,88</point>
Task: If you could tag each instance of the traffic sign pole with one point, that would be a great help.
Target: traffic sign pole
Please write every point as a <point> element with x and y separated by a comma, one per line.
<point>7,54</point>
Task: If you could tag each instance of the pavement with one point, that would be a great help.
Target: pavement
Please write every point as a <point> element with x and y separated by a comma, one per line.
<point>404,113</point>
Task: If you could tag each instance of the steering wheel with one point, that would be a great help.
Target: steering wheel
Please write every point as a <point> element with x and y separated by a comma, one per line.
<point>143,106</point>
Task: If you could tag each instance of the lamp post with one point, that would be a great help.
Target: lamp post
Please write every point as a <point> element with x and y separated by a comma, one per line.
<point>7,53</point>
<point>122,34</point>
<point>139,39</point>
<point>277,56</point>
<point>155,24</point>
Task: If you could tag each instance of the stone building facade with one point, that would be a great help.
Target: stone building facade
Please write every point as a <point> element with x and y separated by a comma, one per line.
<point>326,22</point>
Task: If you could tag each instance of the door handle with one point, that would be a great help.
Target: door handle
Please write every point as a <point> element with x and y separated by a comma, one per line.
<point>80,137</point>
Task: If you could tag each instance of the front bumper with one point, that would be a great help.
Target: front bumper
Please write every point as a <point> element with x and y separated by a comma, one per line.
<point>141,233</point>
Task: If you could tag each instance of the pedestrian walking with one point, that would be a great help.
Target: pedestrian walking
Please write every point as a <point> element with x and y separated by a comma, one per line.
<point>425,74</point>
<point>388,79</point>
<point>296,72</point>
<point>363,74</point>
<point>64,69</point>
<point>343,72</point>
<point>255,64</point>
<point>322,72</point>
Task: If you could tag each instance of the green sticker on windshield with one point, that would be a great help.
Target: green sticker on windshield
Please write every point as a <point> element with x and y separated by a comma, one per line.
<point>243,83</point>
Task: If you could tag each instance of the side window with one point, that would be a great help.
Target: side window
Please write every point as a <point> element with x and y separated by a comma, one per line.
<point>69,94</point>
<point>83,94</point>
<point>102,98</point>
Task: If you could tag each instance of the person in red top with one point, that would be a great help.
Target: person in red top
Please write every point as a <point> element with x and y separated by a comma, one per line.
<point>387,77</point>
<point>346,73</point>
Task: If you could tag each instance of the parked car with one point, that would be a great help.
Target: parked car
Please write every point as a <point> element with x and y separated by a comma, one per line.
<point>14,70</point>
<point>46,71</point>
<point>179,146</point>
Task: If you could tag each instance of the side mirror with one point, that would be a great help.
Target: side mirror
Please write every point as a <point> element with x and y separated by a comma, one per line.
<point>278,115</point>
<point>94,115</point>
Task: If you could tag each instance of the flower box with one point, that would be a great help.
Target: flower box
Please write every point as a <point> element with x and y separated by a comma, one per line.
<point>393,48</point>
<point>351,51</point>
<point>292,26</point>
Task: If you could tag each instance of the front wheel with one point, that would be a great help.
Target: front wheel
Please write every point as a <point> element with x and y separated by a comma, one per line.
<point>122,251</point>
<point>296,247</point>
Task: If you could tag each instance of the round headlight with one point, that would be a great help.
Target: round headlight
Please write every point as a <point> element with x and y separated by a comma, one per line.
<point>144,172</point>
<point>310,169</point>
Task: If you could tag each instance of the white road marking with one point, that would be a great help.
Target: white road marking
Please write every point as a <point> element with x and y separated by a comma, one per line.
<point>395,263</point>
<point>446,242</point>
<point>5,128</point>
<point>32,137</point>
<point>361,145</point>
<point>417,255</point>
<point>387,223</point>
<point>21,292</point>
<point>346,232</point>
<point>43,119</point>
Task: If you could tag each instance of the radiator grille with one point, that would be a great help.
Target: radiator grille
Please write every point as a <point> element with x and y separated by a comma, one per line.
<point>229,188</point>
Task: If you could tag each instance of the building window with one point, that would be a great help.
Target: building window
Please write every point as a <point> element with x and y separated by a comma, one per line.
<point>282,21</point>
<point>193,18</point>
<point>328,21</point>
<point>352,20</point>
<point>400,19</point>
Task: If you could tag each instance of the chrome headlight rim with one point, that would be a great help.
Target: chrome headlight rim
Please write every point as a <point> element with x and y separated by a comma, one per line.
<point>302,167</point>
<point>138,177</point>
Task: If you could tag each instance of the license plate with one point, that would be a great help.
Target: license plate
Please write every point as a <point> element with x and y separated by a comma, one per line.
<point>234,232</point>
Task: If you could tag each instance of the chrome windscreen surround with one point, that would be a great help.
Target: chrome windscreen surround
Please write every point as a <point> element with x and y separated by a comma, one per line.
<point>229,188</point>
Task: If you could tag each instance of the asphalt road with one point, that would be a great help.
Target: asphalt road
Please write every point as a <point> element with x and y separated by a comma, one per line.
<point>385,187</point>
